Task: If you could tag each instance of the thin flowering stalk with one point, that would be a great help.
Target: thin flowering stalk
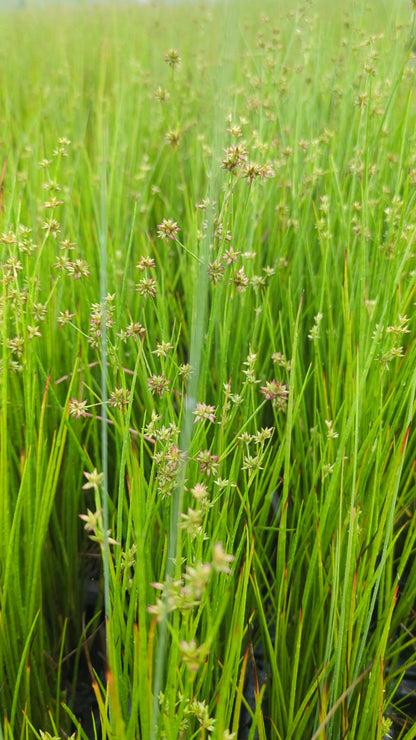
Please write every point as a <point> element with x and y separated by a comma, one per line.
<point>104,393</point>
<point>168,230</point>
<point>198,330</point>
<point>189,251</point>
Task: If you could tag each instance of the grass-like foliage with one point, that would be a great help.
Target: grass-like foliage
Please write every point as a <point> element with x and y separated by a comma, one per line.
<point>208,260</point>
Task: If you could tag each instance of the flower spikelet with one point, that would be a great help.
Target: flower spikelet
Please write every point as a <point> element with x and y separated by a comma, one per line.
<point>167,229</point>
<point>275,392</point>
<point>203,411</point>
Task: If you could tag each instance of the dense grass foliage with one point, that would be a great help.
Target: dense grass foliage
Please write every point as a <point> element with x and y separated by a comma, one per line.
<point>207,219</point>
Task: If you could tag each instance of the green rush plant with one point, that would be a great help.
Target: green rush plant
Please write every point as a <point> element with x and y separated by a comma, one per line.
<point>207,371</point>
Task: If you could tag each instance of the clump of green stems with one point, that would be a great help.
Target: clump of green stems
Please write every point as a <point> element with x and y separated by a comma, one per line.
<point>207,219</point>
